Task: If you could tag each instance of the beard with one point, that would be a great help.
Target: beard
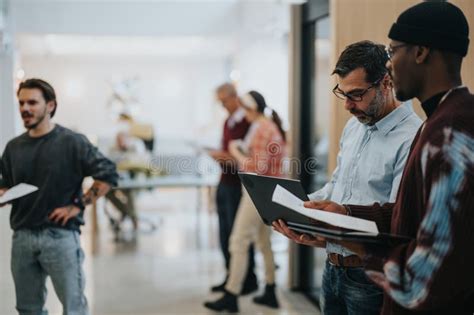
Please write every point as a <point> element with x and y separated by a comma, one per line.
<point>369,117</point>
<point>35,122</point>
<point>404,94</point>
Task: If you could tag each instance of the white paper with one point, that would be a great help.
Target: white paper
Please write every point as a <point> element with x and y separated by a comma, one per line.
<point>287,199</point>
<point>17,191</point>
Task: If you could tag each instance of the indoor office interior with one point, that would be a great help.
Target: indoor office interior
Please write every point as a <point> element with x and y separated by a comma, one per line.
<point>153,67</point>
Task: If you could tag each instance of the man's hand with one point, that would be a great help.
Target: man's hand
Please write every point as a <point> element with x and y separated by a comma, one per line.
<point>326,205</point>
<point>2,192</point>
<point>299,238</point>
<point>215,154</point>
<point>64,214</point>
<point>221,157</point>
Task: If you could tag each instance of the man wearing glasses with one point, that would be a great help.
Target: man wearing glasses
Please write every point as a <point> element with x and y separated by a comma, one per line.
<point>373,150</point>
<point>432,273</point>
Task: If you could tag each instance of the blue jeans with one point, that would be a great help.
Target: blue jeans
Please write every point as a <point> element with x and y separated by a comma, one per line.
<point>53,252</point>
<point>348,291</point>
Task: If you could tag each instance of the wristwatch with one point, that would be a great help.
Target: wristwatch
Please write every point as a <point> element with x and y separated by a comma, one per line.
<point>77,201</point>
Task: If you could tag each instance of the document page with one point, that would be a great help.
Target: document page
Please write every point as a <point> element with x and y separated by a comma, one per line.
<point>17,191</point>
<point>287,199</point>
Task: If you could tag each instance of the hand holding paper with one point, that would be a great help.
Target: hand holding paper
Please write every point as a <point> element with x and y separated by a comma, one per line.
<point>287,199</point>
<point>17,191</point>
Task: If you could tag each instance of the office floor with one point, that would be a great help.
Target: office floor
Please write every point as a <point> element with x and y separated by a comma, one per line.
<point>168,271</point>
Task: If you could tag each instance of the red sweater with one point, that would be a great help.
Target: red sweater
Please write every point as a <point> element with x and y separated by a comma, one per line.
<point>433,274</point>
<point>238,131</point>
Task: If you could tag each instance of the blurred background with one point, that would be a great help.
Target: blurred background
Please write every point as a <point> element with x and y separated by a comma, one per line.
<point>153,66</point>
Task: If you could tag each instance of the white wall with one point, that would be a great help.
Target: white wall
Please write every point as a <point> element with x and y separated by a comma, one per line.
<point>263,66</point>
<point>8,110</point>
<point>124,17</point>
<point>177,95</point>
<point>177,90</point>
<point>262,54</point>
<point>9,117</point>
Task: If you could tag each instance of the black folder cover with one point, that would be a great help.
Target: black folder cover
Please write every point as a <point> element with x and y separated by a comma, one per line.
<point>261,188</point>
<point>350,236</point>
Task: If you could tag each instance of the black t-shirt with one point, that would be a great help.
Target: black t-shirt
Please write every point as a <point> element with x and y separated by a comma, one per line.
<point>56,163</point>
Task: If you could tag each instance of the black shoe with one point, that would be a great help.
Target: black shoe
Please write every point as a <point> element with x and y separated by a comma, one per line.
<point>268,298</point>
<point>249,286</point>
<point>219,287</point>
<point>226,303</point>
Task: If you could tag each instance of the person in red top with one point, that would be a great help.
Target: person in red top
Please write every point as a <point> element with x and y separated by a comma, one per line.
<point>262,152</point>
<point>229,190</point>
<point>432,273</point>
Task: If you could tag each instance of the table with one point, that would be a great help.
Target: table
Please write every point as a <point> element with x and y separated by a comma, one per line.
<point>168,181</point>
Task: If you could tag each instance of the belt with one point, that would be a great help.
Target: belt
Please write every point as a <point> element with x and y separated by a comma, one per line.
<point>348,261</point>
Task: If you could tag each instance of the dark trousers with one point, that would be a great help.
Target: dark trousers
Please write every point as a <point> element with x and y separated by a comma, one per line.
<point>228,200</point>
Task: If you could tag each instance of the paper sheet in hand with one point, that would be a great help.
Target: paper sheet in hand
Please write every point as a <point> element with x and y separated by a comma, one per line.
<point>17,191</point>
<point>285,198</point>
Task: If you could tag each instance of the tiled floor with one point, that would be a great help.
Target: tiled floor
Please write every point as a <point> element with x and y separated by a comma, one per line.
<point>168,271</point>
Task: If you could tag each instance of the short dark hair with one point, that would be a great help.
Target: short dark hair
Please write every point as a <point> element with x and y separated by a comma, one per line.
<point>364,54</point>
<point>45,88</point>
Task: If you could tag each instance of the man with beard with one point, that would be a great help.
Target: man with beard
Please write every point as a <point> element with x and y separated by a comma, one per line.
<point>46,223</point>
<point>373,151</point>
<point>432,273</point>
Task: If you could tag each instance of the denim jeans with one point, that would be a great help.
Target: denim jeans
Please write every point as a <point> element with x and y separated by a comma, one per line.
<point>54,252</point>
<point>348,291</point>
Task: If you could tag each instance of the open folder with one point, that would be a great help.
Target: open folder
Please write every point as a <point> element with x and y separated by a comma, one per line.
<point>341,227</point>
<point>279,198</point>
<point>287,199</point>
<point>260,189</point>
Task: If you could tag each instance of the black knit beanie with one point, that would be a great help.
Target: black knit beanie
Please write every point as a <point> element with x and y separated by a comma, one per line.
<point>439,25</point>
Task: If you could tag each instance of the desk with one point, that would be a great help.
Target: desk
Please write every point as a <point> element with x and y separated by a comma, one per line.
<point>169,181</point>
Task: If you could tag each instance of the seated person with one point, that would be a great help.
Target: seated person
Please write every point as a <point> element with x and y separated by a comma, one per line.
<point>130,155</point>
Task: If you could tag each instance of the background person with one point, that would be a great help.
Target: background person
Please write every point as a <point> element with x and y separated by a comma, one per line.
<point>229,189</point>
<point>262,151</point>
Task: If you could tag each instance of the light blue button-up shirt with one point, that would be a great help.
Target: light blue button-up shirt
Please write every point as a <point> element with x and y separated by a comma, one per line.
<point>370,162</point>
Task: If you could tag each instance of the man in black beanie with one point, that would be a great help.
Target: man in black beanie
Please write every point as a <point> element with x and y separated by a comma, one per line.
<point>429,41</point>
<point>431,274</point>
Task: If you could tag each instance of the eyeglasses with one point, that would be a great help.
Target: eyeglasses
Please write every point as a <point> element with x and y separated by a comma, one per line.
<point>390,50</point>
<point>356,96</point>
